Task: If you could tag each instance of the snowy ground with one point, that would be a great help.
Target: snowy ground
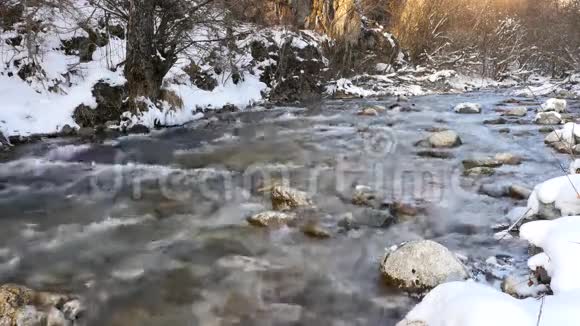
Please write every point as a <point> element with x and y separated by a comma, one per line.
<point>44,102</point>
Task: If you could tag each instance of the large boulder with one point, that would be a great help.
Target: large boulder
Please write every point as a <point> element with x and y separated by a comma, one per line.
<point>419,266</point>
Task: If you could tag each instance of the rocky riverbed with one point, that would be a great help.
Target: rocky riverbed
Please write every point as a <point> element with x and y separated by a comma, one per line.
<point>275,216</point>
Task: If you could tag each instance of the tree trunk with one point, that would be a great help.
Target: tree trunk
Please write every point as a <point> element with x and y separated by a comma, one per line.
<point>143,75</point>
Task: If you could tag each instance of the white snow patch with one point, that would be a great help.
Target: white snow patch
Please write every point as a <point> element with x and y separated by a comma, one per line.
<point>555,104</point>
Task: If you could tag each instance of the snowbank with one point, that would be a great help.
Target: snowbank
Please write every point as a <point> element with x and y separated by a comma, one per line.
<point>560,240</point>
<point>44,101</point>
<point>474,304</point>
<point>410,81</point>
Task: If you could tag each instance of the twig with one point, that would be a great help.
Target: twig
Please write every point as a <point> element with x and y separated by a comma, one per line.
<point>515,223</point>
<point>567,175</point>
<point>541,310</point>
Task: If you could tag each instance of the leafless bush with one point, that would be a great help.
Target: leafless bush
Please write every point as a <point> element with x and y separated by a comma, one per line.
<point>492,37</point>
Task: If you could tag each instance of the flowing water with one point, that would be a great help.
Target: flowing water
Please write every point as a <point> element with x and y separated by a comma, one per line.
<point>151,230</point>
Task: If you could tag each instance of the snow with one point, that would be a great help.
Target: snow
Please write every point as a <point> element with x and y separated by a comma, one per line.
<point>554,104</point>
<point>242,95</point>
<point>558,191</point>
<point>546,116</point>
<point>469,304</point>
<point>44,103</point>
<point>567,134</point>
<point>474,304</point>
<point>467,107</point>
<point>560,240</point>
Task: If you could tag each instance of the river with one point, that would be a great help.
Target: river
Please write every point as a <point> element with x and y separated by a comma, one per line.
<point>151,229</point>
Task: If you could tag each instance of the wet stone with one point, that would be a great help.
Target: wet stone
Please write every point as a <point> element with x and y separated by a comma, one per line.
<point>271,218</point>
<point>498,121</point>
<point>315,230</point>
<point>435,154</point>
<point>479,171</point>
<point>487,162</point>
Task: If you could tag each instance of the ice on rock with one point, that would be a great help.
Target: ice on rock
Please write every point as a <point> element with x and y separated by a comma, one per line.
<point>467,108</point>
<point>548,118</point>
<point>568,134</point>
<point>554,104</point>
<point>561,192</point>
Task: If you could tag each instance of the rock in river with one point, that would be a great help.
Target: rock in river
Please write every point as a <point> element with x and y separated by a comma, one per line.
<point>364,196</point>
<point>420,266</point>
<point>554,105</point>
<point>548,118</point>
<point>486,162</point>
<point>509,158</point>
<point>369,112</point>
<point>516,112</point>
<point>286,198</point>
<point>271,218</point>
<point>442,139</point>
<point>519,192</point>
<point>478,171</point>
<point>21,306</point>
<point>467,108</point>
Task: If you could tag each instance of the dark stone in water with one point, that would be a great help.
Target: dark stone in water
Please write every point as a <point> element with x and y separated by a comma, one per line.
<point>435,154</point>
<point>493,190</point>
<point>498,121</point>
<point>138,129</point>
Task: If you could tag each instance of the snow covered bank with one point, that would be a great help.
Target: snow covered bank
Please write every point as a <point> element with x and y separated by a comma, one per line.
<point>560,240</point>
<point>410,81</point>
<point>475,304</point>
<point>40,92</point>
<point>545,86</point>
